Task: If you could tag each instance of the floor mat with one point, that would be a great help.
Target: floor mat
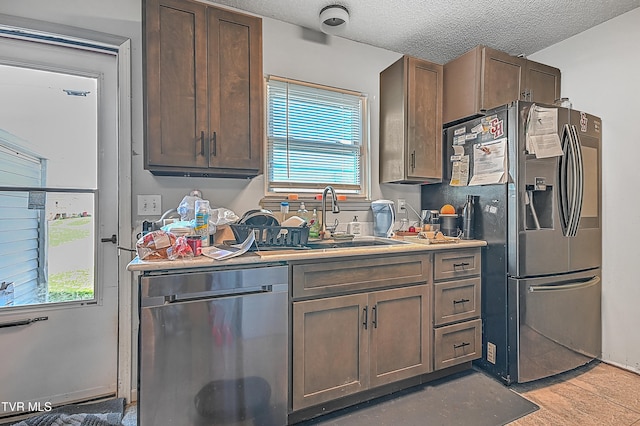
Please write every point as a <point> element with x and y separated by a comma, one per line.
<point>466,398</point>
<point>103,413</point>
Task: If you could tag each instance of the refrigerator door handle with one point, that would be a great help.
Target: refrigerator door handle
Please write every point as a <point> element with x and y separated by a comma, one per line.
<point>569,286</point>
<point>578,180</point>
<point>563,171</point>
<point>574,185</point>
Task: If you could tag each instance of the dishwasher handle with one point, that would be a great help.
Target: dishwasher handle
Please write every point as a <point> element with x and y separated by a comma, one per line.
<point>168,299</point>
<point>176,298</point>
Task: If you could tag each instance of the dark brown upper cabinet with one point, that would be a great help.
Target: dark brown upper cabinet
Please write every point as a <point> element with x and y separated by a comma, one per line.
<point>203,95</point>
<point>485,78</point>
<point>411,122</point>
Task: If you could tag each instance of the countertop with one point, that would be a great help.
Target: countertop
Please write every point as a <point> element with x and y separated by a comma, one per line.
<point>251,258</point>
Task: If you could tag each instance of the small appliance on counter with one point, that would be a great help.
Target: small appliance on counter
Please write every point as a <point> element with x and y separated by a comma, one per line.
<point>384,217</point>
<point>449,225</point>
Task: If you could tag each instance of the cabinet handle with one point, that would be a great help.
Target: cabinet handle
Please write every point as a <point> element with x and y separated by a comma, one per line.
<point>461,345</point>
<point>202,143</point>
<point>364,313</point>
<point>455,302</point>
<point>374,316</point>
<point>413,160</point>
<point>214,140</point>
<point>460,265</point>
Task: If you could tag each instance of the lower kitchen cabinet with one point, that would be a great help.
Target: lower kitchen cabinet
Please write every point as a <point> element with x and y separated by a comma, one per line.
<point>399,345</point>
<point>457,343</point>
<point>457,332</point>
<point>347,344</point>
<point>329,360</point>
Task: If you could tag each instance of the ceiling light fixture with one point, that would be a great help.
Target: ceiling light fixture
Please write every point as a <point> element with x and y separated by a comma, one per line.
<point>334,19</point>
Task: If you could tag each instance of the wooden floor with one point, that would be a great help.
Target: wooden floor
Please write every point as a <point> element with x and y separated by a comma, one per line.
<point>598,394</point>
<point>595,395</point>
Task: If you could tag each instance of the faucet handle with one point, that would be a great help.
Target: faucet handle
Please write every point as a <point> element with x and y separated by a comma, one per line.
<point>332,228</point>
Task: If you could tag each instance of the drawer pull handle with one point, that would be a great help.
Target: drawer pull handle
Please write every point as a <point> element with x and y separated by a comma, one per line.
<point>461,345</point>
<point>364,313</point>
<point>460,265</point>
<point>374,316</point>
<point>455,302</point>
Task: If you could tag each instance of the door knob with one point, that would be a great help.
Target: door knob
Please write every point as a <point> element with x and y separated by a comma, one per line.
<point>113,239</point>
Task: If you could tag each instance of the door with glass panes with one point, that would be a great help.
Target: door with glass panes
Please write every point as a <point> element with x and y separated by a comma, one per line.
<point>58,202</point>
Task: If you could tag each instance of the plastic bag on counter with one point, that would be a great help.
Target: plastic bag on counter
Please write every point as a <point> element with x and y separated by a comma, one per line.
<point>187,207</point>
<point>161,245</point>
<point>221,216</point>
<point>154,245</point>
<point>180,249</point>
<point>180,228</point>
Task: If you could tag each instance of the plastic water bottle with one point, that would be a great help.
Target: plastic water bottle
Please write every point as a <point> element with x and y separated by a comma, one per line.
<point>303,213</point>
<point>202,221</point>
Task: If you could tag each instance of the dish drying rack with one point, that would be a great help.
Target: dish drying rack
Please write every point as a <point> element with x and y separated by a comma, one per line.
<point>271,237</point>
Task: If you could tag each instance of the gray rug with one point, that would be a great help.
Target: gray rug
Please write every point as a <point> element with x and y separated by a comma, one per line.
<point>467,398</point>
<point>104,413</point>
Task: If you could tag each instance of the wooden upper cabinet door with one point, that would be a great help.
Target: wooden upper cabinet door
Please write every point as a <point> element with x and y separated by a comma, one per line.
<point>485,78</point>
<point>502,78</point>
<point>543,83</point>
<point>235,90</point>
<point>176,83</point>
<point>462,91</point>
<point>424,138</point>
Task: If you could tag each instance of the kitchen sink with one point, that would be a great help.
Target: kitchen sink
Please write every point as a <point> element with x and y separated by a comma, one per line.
<point>358,242</point>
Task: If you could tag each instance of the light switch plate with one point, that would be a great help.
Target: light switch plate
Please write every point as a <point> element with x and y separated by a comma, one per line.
<point>149,205</point>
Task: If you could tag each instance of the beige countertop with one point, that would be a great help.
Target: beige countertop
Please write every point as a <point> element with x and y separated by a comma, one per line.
<point>251,258</point>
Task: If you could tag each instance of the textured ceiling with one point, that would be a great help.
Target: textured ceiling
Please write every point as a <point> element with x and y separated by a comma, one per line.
<point>440,30</point>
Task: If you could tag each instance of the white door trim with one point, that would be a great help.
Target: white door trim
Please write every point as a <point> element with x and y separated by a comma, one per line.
<point>121,47</point>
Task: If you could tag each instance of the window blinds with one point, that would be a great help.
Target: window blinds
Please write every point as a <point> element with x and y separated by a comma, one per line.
<point>314,137</point>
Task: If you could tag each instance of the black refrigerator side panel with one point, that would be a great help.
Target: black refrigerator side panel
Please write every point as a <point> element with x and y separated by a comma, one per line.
<point>491,226</point>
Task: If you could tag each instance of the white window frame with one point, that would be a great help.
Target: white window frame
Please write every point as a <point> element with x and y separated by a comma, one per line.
<point>363,193</point>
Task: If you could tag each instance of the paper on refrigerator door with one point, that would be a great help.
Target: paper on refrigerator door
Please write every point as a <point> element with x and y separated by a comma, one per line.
<point>489,162</point>
<point>542,132</point>
<point>459,167</point>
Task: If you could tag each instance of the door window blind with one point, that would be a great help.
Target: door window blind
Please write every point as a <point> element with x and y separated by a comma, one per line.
<point>314,137</point>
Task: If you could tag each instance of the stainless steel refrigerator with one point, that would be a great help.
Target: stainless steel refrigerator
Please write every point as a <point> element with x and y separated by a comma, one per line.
<point>541,286</point>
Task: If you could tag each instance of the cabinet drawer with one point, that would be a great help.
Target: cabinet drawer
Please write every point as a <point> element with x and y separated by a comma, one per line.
<point>456,301</point>
<point>456,264</point>
<point>347,275</point>
<point>458,343</point>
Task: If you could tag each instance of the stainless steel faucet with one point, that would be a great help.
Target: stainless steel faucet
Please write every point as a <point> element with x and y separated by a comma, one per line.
<point>334,208</point>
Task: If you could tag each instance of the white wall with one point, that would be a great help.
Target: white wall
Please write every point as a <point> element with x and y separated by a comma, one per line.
<point>600,74</point>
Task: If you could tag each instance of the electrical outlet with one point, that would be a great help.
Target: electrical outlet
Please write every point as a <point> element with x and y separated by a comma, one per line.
<point>149,205</point>
<point>402,204</point>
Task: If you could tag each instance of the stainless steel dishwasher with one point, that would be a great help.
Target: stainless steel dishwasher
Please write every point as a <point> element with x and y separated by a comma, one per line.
<point>213,347</point>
